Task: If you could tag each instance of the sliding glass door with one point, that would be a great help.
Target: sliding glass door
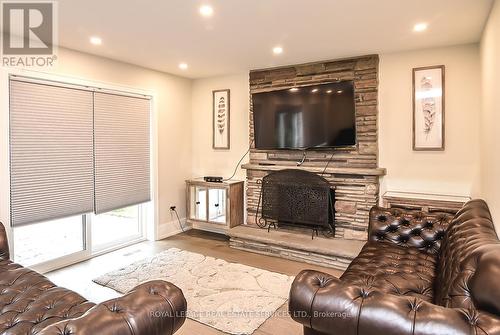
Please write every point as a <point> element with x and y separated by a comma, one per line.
<point>48,245</point>
<point>44,242</point>
<point>117,227</point>
<point>52,244</point>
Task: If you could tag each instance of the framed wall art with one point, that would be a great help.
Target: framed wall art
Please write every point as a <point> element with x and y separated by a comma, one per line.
<point>428,108</point>
<point>221,119</point>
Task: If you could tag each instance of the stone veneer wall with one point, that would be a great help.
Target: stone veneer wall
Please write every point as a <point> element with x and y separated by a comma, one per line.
<point>356,190</point>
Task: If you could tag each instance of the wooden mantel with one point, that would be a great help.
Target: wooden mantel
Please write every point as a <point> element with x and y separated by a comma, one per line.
<point>316,169</point>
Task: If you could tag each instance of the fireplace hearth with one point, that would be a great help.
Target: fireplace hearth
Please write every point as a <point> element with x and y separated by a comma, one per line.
<point>298,198</point>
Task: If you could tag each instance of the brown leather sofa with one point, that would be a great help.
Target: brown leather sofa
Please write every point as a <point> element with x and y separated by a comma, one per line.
<point>30,304</point>
<point>418,274</point>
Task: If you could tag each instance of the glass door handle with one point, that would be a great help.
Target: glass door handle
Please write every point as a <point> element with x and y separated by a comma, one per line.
<point>197,202</point>
<point>216,205</point>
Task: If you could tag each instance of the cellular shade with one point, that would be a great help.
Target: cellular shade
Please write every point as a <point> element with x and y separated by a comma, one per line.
<point>121,144</point>
<point>51,152</point>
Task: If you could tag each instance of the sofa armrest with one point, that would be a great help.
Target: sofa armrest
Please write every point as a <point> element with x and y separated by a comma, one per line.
<point>327,305</point>
<point>4,244</point>
<point>152,308</point>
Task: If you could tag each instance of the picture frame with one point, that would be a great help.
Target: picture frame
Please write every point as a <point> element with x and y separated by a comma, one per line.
<point>429,108</point>
<point>221,116</point>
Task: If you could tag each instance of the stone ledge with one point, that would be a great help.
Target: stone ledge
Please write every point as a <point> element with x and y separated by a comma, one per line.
<point>346,171</point>
<point>334,253</point>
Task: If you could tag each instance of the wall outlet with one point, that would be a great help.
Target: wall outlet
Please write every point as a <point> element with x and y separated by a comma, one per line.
<point>173,208</point>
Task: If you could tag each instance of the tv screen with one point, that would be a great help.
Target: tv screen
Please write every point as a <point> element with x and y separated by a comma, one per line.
<point>319,116</point>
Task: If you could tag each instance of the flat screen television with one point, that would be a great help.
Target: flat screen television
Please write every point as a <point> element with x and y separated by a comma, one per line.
<point>310,117</point>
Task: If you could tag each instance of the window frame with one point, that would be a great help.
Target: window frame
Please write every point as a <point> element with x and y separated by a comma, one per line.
<point>89,251</point>
<point>120,243</point>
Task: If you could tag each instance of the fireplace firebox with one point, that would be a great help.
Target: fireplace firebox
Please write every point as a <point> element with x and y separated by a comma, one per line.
<point>293,197</point>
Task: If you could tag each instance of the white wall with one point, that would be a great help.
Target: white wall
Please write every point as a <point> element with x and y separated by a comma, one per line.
<point>490,125</point>
<point>172,99</point>
<point>205,160</point>
<point>454,171</point>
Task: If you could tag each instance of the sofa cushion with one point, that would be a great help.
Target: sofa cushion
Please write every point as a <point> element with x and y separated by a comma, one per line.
<point>393,269</point>
<point>30,302</point>
<point>469,261</point>
<point>414,229</point>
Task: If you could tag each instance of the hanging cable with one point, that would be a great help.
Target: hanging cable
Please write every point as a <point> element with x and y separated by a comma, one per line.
<point>239,162</point>
<point>328,163</point>
<point>174,209</point>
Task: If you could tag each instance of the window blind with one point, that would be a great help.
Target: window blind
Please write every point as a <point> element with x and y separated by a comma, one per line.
<point>51,152</point>
<point>122,151</point>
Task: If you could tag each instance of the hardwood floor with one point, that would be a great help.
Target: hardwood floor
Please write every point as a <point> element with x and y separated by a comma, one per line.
<point>79,277</point>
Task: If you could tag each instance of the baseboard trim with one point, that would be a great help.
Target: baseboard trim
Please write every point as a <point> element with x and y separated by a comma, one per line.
<point>176,231</point>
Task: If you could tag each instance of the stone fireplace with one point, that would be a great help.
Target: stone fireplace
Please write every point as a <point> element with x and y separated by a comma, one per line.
<point>353,172</point>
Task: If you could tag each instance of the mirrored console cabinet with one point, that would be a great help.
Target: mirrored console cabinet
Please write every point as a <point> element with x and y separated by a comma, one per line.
<point>214,207</point>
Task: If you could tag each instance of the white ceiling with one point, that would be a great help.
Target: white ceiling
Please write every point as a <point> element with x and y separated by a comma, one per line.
<point>159,34</point>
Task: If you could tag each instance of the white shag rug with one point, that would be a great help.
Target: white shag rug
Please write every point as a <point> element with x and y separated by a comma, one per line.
<point>233,298</point>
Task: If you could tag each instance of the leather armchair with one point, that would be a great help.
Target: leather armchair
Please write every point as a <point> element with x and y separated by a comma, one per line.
<point>30,304</point>
<point>418,274</point>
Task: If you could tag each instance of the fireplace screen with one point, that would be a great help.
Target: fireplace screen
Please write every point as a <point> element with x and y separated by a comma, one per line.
<point>297,197</point>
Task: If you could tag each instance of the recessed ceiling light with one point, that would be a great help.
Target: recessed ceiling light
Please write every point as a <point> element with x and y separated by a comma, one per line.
<point>340,91</point>
<point>294,89</point>
<point>314,90</point>
<point>183,66</point>
<point>277,50</point>
<point>206,10</point>
<point>329,91</point>
<point>419,27</point>
<point>96,40</point>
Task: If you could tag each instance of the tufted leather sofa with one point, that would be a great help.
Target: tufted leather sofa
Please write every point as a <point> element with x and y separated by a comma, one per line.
<point>418,274</point>
<point>30,304</point>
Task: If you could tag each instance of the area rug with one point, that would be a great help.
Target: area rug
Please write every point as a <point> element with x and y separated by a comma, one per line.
<point>233,298</point>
